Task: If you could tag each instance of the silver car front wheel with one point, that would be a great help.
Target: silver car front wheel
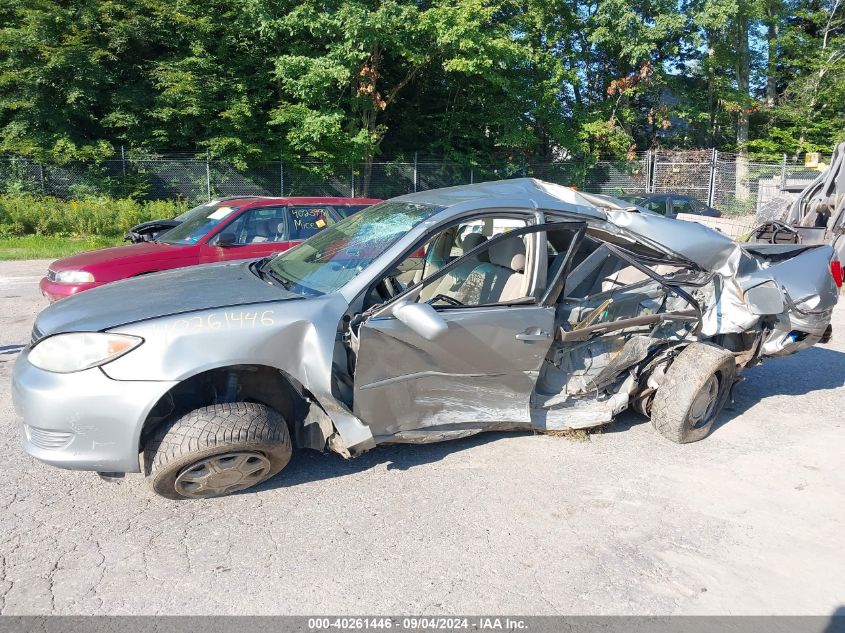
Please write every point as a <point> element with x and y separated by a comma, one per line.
<point>217,450</point>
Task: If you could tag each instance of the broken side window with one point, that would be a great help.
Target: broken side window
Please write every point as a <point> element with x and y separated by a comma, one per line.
<point>605,287</point>
<point>441,249</point>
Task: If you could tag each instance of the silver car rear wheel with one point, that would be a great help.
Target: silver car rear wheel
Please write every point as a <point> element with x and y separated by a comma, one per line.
<point>701,411</point>
<point>696,387</point>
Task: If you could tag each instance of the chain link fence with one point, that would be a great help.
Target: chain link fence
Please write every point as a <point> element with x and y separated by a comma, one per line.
<point>683,172</point>
<point>728,182</point>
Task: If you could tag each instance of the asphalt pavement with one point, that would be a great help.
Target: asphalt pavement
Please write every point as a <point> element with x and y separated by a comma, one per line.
<point>748,521</point>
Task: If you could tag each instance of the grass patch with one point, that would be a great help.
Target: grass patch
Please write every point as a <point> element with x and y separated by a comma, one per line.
<point>50,247</point>
<point>36,215</point>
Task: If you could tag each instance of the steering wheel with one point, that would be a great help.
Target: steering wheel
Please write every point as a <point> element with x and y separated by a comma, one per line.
<point>779,228</point>
<point>446,299</point>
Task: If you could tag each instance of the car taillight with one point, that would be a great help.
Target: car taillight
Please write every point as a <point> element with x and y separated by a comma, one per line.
<point>836,272</point>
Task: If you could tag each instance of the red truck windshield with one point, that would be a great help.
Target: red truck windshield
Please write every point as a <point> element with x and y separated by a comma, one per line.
<point>197,222</point>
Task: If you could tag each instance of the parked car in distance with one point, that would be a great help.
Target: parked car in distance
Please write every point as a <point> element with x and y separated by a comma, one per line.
<point>217,231</point>
<point>153,229</point>
<point>671,204</point>
<point>510,305</point>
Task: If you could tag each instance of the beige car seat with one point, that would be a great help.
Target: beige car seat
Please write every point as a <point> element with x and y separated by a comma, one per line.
<point>499,280</point>
<point>630,275</point>
<point>451,281</point>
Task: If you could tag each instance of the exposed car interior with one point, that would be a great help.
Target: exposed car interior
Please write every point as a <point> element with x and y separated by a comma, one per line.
<point>606,321</point>
<point>611,314</point>
<point>496,275</point>
<point>492,275</point>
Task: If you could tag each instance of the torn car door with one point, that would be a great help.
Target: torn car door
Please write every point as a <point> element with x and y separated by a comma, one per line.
<point>613,312</point>
<point>477,374</point>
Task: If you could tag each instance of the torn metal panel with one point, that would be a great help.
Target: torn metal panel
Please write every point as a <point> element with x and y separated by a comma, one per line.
<point>632,352</point>
<point>804,276</point>
<point>694,242</point>
<point>726,311</point>
<point>584,412</point>
<point>792,332</point>
<point>315,430</point>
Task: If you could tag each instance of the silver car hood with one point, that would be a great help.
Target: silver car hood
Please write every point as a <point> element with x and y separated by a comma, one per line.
<point>156,295</point>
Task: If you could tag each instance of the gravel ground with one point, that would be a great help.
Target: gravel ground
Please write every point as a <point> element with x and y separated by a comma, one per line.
<point>749,521</point>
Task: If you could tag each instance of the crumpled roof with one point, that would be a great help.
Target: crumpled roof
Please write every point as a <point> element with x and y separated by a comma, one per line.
<point>529,191</point>
<point>697,243</point>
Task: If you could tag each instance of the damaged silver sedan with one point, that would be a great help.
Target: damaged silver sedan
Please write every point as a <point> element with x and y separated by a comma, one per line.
<point>507,305</point>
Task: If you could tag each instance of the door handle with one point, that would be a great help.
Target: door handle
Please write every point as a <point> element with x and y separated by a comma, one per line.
<point>533,335</point>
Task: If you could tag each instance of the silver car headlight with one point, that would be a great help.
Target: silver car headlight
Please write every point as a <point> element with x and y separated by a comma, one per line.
<point>74,277</point>
<point>66,353</point>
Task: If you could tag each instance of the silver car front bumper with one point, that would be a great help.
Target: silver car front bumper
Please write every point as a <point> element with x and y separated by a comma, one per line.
<point>83,420</point>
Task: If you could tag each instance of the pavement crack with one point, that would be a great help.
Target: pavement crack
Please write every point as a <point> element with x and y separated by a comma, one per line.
<point>5,584</point>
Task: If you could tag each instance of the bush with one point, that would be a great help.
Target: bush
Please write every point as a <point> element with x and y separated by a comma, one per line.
<point>35,215</point>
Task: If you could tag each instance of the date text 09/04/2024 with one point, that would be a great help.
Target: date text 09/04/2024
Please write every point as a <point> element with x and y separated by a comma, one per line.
<point>418,623</point>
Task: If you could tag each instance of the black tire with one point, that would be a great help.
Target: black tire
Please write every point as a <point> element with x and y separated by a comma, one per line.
<point>186,459</point>
<point>688,401</point>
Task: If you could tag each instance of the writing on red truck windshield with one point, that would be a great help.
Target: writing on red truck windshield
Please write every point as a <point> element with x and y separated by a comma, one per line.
<point>306,222</point>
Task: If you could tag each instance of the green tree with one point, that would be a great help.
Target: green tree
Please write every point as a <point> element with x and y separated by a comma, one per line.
<point>476,81</point>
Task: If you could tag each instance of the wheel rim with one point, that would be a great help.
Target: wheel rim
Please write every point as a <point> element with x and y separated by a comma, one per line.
<point>221,474</point>
<point>705,403</point>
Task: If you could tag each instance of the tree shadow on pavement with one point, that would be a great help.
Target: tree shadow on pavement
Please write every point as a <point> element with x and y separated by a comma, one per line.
<point>625,421</point>
<point>814,370</point>
<point>837,621</point>
<point>306,466</point>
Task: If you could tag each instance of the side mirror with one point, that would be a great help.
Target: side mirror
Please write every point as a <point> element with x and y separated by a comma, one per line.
<point>422,319</point>
<point>764,299</point>
<point>225,239</point>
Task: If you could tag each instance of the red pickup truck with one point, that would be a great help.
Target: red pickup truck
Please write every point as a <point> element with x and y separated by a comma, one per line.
<point>217,231</point>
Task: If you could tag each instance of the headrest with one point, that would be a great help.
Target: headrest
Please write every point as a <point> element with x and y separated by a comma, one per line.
<point>509,253</point>
<point>262,227</point>
<point>472,241</point>
<point>280,228</point>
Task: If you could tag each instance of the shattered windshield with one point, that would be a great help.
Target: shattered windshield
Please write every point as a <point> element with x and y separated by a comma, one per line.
<point>330,259</point>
